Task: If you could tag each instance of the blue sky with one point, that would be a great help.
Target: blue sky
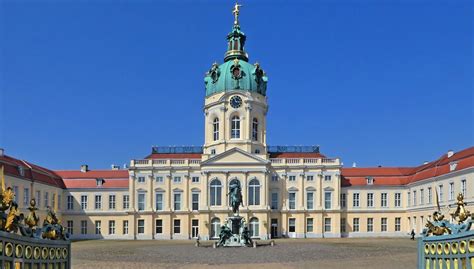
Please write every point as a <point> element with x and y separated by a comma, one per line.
<point>99,82</point>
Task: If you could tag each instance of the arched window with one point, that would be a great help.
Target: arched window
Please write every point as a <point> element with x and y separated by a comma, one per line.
<point>255,129</point>
<point>253,227</point>
<point>235,127</point>
<point>215,125</point>
<point>215,227</point>
<point>216,192</point>
<point>254,192</point>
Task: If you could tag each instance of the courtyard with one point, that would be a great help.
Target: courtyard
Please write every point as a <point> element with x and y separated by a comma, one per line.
<point>393,253</point>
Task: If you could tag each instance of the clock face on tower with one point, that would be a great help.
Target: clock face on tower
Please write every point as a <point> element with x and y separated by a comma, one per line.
<point>235,101</point>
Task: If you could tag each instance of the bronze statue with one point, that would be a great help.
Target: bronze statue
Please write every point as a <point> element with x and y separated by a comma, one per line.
<point>235,192</point>
<point>224,235</point>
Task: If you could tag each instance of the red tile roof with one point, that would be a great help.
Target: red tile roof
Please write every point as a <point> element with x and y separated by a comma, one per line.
<point>296,155</point>
<point>77,174</point>
<point>174,156</point>
<point>92,183</point>
<point>406,175</point>
<point>77,179</point>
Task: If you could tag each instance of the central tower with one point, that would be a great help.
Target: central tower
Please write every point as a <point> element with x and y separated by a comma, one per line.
<point>235,105</point>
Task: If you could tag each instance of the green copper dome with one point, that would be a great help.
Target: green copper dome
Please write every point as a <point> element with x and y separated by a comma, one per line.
<point>235,73</point>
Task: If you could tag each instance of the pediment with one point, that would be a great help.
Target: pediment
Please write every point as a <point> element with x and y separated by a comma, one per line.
<point>235,156</point>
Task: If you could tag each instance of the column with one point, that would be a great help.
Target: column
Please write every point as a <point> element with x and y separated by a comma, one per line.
<point>186,192</point>
<point>302,191</point>
<point>265,190</point>
<point>150,206</point>
<point>131,184</point>
<point>170,194</point>
<point>245,189</point>
<point>205,191</point>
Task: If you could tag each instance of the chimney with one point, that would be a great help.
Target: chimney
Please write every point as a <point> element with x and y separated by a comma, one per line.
<point>450,153</point>
<point>354,164</point>
<point>125,166</point>
<point>84,168</point>
<point>115,167</point>
<point>2,152</point>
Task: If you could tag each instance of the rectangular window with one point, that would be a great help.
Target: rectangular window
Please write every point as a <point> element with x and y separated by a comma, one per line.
<point>327,178</point>
<point>440,193</point>
<point>430,196</point>
<point>177,226</point>
<point>355,199</point>
<point>141,226</point>
<point>195,228</point>
<point>422,196</point>
<point>343,225</point>
<point>98,202</point>
<point>355,225</point>
<point>177,201</point>
<point>70,227</point>
<point>83,202</point>
<point>53,200</point>
<point>111,202</point>
<point>370,199</point>
<point>292,200</point>
<point>195,201</point>
<point>343,200</point>
<point>310,200</point>
<point>409,199</point>
<point>141,179</point>
<point>125,227</point>
<point>398,199</point>
<point>59,201</point>
<point>383,226</point>
<point>141,201</point>
<point>46,199</point>
<point>83,226</point>
<point>26,197</point>
<point>274,200</point>
<point>414,198</point>
<point>292,178</point>
<point>159,201</point>
<point>38,198</point>
<point>327,200</point>
<point>195,179</point>
<point>98,227</point>
<point>383,199</point>
<point>70,202</point>
<point>158,226</point>
<point>327,225</point>
<point>111,226</point>
<point>309,178</point>
<point>397,224</point>
<point>309,225</point>
<point>451,191</point>
<point>17,194</point>
<point>274,178</point>
<point>370,225</point>
<point>177,179</point>
<point>159,179</point>
<point>291,225</point>
<point>126,201</point>
<point>463,187</point>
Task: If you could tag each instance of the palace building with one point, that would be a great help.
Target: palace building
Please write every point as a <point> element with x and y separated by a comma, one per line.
<point>297,192</point>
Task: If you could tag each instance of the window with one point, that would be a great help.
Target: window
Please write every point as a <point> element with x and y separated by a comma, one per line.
<point>451,191</point>
<point>327,200</point>
<point>440,192</point>
<point>141,201</point>
<point>159,179</point>
<point>235,127</point>
<point>111,226</point>
<point>408,199</point>
<point>158,226</point>
<point>355,225</point>
<point>253,227</point>
<point>216,192</point>
<point>141,226</point>
<point>83,202</point>
<point>177,201</point>
<point>99,182</point>
<point>430,195</point>
<point>177,179</point>
<point>292,200</point>
<point>111,201</point>
<point>291,225</point>
<point>213,152</point>
<point>159,201</point>
<point>141,179</point>
<point>125,227</point>
<point>254,192</point>
<point>26,197</point>
<point>327,178</point>
<point>397,224</point>
<point>370,180</point>
<point>327,225</point>
<point>422,196</point>
<point>255,130</point>
<point>70,202</point>
<point>177,226</point>
<point>46,199</point>
<point>274,204</point>
<point>355,199</point>
<point>463,187</point>
<point>126,201</point>
<point>70,227</point>
<point>398,199</point>
<point>16,192</point>
<point>38,198</point>
<point>195,201</point>
<point>53,200</point>
<point>215,125</point>
<point>83,226</point>
<point>310,178</point>
<point>98,227</point>
<point>309,225</point>
<point>343,225</point>
<point>310,200</point>
<point>257,151</point>
<point>274,177</point>
<point>370,224</point>
<point>370,199</point>
<point>343,200</point>
<point>414,198</point>
<point>292,178</point>
<point>195,179</point>
<point>98,202</point>
<point>195,228</point>
<point>383,199</point>
<point>215,227</point>
<point>383,226</point>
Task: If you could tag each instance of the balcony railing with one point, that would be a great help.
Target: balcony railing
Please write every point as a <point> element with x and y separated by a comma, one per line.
<point>165,162</point>
<point>305,161</point>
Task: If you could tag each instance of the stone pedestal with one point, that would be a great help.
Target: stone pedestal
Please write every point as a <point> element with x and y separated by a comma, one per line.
<point>235,225</point>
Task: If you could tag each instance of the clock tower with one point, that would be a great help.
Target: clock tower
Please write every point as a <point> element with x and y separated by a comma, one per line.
<point>235,106</point>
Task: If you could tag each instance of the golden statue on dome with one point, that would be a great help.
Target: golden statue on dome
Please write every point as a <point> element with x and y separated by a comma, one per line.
<point>236,12</point>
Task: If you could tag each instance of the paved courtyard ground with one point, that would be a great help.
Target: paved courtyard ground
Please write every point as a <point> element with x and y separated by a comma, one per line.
<point>387,253</point>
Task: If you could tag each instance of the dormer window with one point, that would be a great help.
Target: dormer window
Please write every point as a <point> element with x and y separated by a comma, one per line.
<point>99,182</point>
<point>452,166</point>
<point>21,170</point>
<point>370,181</point>
<point>213,152</point>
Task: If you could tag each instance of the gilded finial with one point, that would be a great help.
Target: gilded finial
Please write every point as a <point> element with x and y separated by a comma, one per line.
<point>236,12</point>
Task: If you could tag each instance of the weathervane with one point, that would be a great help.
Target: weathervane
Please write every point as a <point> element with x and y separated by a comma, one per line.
<point>236,12</point>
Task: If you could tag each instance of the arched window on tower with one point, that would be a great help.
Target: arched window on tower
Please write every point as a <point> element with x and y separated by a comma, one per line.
<point>255,129</point>
<point>254,192</point>
<point>235,127</point>
<point>215,125</point>
<point>216,192</point>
